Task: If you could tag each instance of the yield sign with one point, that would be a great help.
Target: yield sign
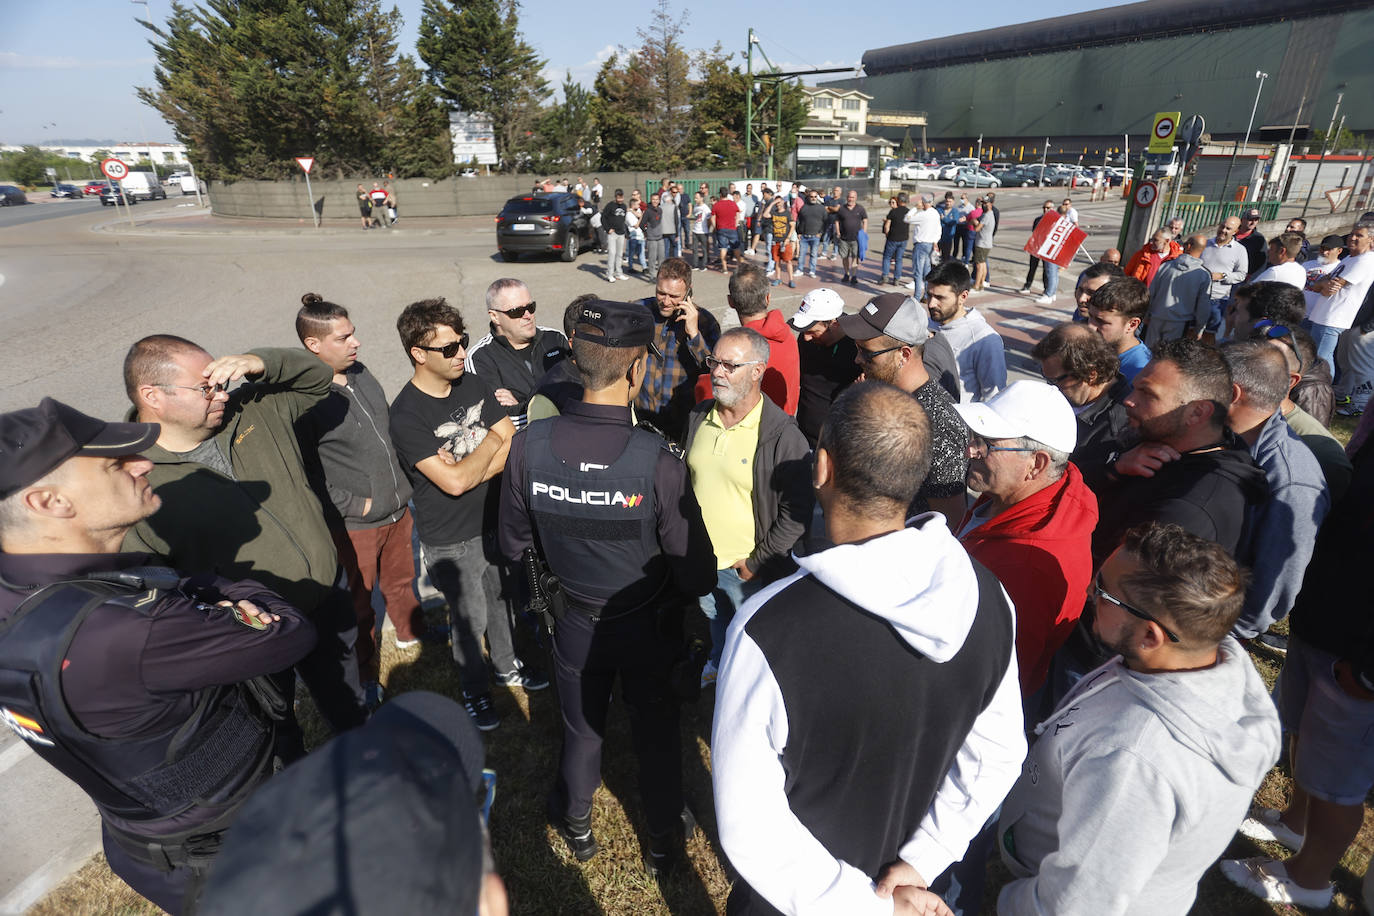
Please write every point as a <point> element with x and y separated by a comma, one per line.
<point>305,162</point>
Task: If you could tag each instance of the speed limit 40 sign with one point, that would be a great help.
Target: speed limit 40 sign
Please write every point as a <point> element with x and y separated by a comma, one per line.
<point>114,169</point>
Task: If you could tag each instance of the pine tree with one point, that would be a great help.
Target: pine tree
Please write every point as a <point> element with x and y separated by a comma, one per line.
<point>478,62</point>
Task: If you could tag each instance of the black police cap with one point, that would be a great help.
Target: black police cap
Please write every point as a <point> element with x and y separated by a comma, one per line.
<point>36,440</point>
<point>620,325</point>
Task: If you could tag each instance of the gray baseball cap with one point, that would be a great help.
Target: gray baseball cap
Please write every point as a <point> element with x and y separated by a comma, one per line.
<point>897,315</point>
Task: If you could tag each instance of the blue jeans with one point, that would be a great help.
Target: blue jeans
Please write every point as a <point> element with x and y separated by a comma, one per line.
<point>1326,337</point>
<point>810,245</point>
<point>635,252</point>
<point>720,606</point>
<point>893,253</point>
<point>671,248</point>
<point>1217,314</point>
<point>1051,279</point>
<point>920,266</point>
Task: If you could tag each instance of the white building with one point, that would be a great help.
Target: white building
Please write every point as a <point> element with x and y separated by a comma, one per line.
<point>168,154</point>
<point>835,142</point>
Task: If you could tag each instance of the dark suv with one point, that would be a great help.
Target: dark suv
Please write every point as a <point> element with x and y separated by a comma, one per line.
<point>543,223</point>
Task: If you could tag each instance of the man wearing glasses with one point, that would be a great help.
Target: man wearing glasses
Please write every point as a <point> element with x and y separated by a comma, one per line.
<point>1254,244</point>
<point>516,352</point>
<point>237,500</point>
<point>1077,361</point>
<point>1136,782</point>
<point>452,436</point>
<point>750,467</point>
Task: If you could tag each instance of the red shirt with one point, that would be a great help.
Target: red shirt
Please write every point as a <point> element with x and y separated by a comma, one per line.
<point>726,214</point>
<point>782,379</point>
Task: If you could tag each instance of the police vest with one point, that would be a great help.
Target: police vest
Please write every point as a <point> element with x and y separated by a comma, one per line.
<point>597,526</point>
<point>216,755</point>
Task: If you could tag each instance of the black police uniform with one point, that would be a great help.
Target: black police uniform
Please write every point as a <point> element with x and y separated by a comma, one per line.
<point>132,683</point>
<point>613,512</point>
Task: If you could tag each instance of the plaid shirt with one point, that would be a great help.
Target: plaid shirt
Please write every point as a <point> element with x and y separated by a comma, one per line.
<point>667,395</point>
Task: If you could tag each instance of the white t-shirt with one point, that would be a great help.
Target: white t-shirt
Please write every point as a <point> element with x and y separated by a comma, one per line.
<point>701,219</point>
<point>1072,216</point>
<point>1339,310</point>
<point>1316,269</point>
<point>1290,272</point>
<point>925,225</point>
<point>746,206</point>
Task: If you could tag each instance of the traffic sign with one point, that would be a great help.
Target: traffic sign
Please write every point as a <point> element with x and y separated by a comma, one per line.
<point>305,162</point>
<point>1145,194</point>
<point>1163,130</point>
<point>114,169</point>
<point>1190,138</point>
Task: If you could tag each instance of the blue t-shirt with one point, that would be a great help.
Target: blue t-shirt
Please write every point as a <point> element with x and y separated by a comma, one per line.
<point>1133,360</point>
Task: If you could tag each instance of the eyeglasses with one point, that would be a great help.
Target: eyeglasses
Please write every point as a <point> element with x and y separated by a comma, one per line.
<point>867,356</point>
<point>1057,380</point>
<point>1098,591</point>
<point>978,446</point>
<point>448,350</point>
<point>712,363</point>
<point>519,312</point>
<point>1272,330</point>
<point>206,391</point>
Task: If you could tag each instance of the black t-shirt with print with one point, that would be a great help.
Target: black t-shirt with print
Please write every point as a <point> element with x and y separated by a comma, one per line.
<point>420,426</point>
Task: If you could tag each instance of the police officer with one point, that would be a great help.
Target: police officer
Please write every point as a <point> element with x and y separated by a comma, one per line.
<point>145,689</point>
<point>612,512</point>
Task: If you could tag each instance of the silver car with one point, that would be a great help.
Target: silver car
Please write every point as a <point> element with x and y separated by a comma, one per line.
<point>978,178</point>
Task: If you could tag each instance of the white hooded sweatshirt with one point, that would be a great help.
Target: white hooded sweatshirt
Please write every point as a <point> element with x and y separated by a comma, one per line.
<point>922,582</point>
<point>1134,788</point>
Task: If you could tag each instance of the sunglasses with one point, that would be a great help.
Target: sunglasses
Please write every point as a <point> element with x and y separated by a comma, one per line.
<point>867,356</point>
<point>1275,331</point>
<point>448,350</point>
<point>206,391</point>
<point>712,363</point>
<point>519,312</point>
<point>1098,591</point>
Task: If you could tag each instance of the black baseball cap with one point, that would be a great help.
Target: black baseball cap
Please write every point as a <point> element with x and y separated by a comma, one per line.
<point>36,440</point>
<point>620,325</point>
<point>1332,241</point>
<point>895,315</point>
<point>382,819</point>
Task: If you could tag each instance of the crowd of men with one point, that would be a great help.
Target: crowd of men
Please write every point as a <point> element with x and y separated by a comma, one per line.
<point>908,680</point>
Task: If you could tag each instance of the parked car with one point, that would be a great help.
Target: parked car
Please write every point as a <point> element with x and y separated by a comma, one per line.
<point>468,173</point>
<point>1025,176</point>
<point>66,190</point>
<point>914,171</point>
<point>10,196</point>
<point>143,186</point>
<point>948,170</point>
<point>978,178</point>
<point>174,178</point>
<point>113,195</point>
<point>93,188</point>
<point>543,223</point>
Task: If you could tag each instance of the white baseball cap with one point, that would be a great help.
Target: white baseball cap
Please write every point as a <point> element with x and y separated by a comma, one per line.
<point>821,304</point>
<point>1036,410</point>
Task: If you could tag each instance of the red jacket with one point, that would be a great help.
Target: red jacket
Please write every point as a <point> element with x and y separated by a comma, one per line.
<point>1041,551</point>
<point>1144,264</point>
<point>782,379</point>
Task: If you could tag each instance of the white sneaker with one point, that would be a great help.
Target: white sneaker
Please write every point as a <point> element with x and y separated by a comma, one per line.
<point>1024,290</point>
<point>1268,880</point>
<point>1045,300</point>
<point>708,674</point>
<point>610,279</point>
<point>1264,824</point>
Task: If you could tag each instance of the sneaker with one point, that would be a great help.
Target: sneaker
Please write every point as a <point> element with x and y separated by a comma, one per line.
<point>792,284</point>
<point>1264,824</point>
<point>1350,410</point>
<point>433,634</point>
<point>1268,880</point>
<point>529,678</point>
<point>709,673</point>
<point>373,694</point>
<point>1045,300</point>
<point>575,831</point>
<point>1274,643</point>
<point>775,283</point>
<point>482,712</point>
<point>610,279</point>
<point>882,281</point>
<point>1024,290</point>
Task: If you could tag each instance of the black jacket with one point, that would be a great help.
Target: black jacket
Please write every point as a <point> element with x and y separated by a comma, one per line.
<point>1207,492</point>
<point>500,365</point>
<point>1102,431</point>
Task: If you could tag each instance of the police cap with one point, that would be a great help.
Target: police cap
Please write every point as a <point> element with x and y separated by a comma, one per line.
<point>36,440</point>
<point>621,325</point>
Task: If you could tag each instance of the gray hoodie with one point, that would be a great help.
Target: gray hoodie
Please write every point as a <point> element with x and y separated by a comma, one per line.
<point>1134,787</point>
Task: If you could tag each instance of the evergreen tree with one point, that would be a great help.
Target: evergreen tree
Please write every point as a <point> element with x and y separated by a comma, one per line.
<point>567,130</point>
<point>906,151</point>
<point>478,62</point>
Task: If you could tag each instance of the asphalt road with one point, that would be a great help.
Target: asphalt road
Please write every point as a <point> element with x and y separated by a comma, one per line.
<point>77,286</point>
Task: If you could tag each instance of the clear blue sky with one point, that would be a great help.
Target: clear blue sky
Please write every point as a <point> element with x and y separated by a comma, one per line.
<point>68,68</point>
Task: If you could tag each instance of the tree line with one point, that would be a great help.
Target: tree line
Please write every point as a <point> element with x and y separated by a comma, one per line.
<point>248,85</point>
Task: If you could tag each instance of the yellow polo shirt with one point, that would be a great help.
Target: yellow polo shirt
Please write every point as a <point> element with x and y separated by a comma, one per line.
<point>722,466</point>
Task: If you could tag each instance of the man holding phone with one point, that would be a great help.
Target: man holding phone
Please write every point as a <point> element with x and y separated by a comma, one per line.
<point>686,334</point>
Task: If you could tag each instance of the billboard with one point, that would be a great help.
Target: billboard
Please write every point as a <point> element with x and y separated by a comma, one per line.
<point>473,137</point>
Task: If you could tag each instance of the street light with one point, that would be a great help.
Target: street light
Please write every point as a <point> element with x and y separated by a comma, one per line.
<point>1261,76</point>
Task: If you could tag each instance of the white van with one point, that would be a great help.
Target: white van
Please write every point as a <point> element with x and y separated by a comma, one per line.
<point>188,184</point>
<point>143,186</point>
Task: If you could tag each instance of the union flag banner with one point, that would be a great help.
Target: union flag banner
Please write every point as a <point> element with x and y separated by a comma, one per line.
<point>1056,242</point>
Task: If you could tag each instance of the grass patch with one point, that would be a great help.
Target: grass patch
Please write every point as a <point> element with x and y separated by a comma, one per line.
<point>543,878</point>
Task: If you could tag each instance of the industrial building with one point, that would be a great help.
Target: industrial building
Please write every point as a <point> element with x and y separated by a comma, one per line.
<point>1093,81</point>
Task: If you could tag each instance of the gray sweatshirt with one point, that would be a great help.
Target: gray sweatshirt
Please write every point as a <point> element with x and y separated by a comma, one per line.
<point>1230,259</point>
<point>1134,787</point>
<point>357,461</point>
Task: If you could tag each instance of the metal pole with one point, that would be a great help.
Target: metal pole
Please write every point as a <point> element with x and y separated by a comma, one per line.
<point>196,181</point>
<point>1177,180</point>
<point>1261,76</point>
<point>1320,162</point>
<point>777,135</point>
<point>128,207</point>
<point>1126,157</point>
<point>310,197</point>
<point>749,108</point>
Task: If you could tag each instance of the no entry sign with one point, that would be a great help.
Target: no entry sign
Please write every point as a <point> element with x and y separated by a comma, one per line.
<point>1145,194</point>
<point>114,169</point>
<point>1056,242</point>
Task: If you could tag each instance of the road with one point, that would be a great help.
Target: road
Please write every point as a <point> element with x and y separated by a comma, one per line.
<point>79,286</point>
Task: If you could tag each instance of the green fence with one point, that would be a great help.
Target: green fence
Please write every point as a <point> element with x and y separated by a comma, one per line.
<point>1206,216</point>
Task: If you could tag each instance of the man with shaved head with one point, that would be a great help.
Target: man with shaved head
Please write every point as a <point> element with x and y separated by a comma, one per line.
<point>1180,296</point>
